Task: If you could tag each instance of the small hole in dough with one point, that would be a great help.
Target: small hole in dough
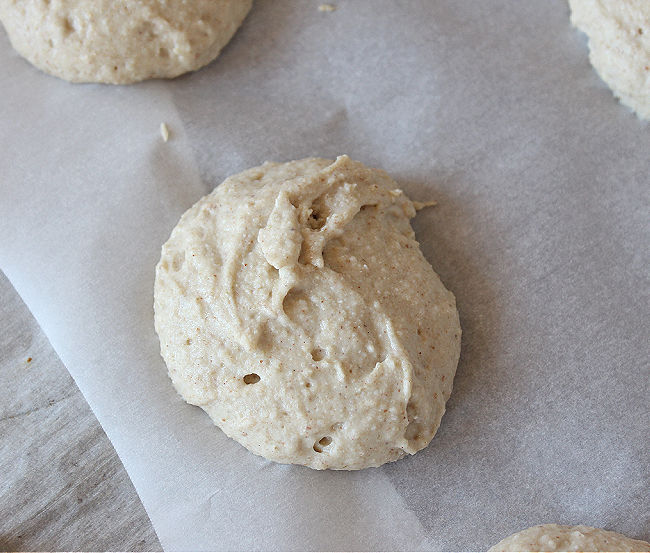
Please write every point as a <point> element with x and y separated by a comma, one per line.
<point>317,354</point>
<point>295,303</point>
<point>68,26</point>
<point>316,220</point>
<point>251,378</point>
<point>163,52</point>
<point>322,443</point>
<point>414,427</point>
<point>413,431</point>
<point>307,385</point>
<point>178,261</point>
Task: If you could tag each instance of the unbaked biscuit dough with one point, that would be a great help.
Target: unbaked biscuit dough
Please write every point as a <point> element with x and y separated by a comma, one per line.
<point>619,44</point>
<point>553,537</point>
<point>294,306</point>
<point>120,41</point>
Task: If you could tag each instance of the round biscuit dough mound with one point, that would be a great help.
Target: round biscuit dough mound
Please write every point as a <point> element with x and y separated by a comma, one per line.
<point>619,46</point>
<point>554,537</point>
<point>120,41</point>
<point>294,306</point>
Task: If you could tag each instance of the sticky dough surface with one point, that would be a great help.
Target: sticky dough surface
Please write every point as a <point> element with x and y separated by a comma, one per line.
<point>294,306</point>
<point>619,44</point>
<point>120,41</point>
<point>554,537</point>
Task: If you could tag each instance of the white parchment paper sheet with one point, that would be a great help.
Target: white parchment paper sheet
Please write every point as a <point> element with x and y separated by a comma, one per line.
<point>542,179</point>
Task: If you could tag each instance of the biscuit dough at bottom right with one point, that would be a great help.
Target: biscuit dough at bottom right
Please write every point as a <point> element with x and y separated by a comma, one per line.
<point>554,537</point>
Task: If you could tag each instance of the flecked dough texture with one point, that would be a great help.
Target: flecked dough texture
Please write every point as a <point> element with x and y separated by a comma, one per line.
<point>294,306</point>
<point>120,41</point>
<point>619,46</point>
<point>554,537</point>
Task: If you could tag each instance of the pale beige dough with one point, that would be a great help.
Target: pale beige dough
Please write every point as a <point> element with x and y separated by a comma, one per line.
<point>554,537</point>
<point>619,46</point>
<point>120,41</point>
<point>294,306</point>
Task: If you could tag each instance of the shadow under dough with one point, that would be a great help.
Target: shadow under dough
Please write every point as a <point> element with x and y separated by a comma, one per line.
<point>447,236</point>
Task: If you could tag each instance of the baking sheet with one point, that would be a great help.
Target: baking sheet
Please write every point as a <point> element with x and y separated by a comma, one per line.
<point>489,107</point>
<point>63,488</point>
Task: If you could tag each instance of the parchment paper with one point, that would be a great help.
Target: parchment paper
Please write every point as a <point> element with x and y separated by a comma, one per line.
<point>489,107</point>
